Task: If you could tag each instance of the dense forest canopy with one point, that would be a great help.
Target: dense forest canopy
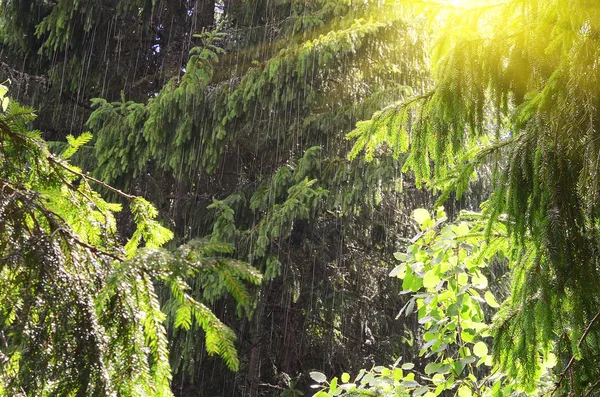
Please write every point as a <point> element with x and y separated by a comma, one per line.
<point>271,156</point>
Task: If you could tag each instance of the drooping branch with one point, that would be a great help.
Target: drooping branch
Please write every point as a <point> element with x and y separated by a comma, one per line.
<point>572,360</point>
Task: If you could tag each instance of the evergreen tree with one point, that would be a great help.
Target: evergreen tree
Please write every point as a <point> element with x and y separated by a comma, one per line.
<point>255,118</point>
<point>517,83</point>
<point>73,51</point>
<point>243,142</point>
<point>79,313</point>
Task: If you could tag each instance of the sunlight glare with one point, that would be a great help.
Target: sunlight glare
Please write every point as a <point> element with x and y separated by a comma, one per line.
<point>465,3</point>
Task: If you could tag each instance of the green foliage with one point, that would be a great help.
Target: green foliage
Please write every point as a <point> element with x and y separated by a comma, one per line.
<point>187,127</point>
<point>290,196</point>
<point>205,262</point>
<point>446,271</point>
<point>523,76</point>
<point>443,91</point>
<point>79,313</point>
<point>245,146</point>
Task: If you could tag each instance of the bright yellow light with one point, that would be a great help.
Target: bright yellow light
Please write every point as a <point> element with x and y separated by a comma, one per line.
<point>459,3</point>
<point>465,3</point>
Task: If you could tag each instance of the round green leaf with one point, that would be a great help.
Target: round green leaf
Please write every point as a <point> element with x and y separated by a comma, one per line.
<point>480,349</point>
<point>398,271</point>
<point>438,378</point>
<point>431,280</point>
<point>464,391</point>
<point>345,377</point>
<point>397,374</point>
<point>479,281</point>
<point>333,385</point>
<point>461,229</point>
<point>318,376</point>
<point>431,368</point>
<point>421,215</point>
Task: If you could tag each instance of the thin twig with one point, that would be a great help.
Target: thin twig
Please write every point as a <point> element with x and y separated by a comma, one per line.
<point>52,159</point>
<point>572,360</point>
<point>271,386</point>
<point>589,393</point>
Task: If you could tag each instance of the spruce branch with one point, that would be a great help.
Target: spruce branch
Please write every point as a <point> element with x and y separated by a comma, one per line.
<point>83,176</point>
<point>572,360</point>
<point>53,217</point>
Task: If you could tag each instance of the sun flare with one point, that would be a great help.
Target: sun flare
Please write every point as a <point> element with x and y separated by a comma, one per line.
<point>466,3</point>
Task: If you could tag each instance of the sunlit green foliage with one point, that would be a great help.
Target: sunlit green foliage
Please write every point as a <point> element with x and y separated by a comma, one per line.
<point>524,76</point>
<point>244,145</point>
<point>79,314</point>
<point>447,271</point>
